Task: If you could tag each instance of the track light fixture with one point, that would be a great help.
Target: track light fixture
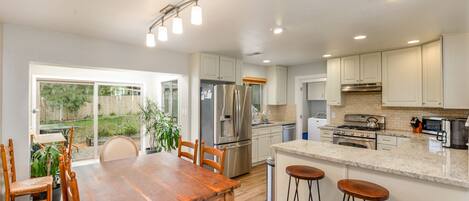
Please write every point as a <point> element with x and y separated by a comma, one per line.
<point>172,11</point>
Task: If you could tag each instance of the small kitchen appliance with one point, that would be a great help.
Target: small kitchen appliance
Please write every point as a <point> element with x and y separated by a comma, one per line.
<point>450,131</point>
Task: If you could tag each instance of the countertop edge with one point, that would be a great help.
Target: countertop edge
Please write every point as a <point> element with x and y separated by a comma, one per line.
<point>442,180</point>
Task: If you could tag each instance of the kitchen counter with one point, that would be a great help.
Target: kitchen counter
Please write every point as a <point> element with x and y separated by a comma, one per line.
<point>420,164</point>
<point>417,159</point>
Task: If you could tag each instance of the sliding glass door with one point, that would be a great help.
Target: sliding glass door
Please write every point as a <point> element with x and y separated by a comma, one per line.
<point>97,112</point>
<point>118,107</point>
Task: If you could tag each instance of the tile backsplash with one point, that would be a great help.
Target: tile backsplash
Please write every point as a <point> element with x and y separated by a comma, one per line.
<point>282,112</point>
<point>397,118</point>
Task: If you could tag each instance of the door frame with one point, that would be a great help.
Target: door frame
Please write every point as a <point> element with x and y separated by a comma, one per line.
<point>34,125</point>
<point>299,81</point>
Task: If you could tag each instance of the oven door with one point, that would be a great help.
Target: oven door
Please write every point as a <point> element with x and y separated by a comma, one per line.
<point>364,143</point>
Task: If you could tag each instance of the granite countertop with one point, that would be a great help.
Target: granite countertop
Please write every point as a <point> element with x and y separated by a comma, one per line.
<point>420,158</point>
<point>273,123</point>
<point>396,133</point>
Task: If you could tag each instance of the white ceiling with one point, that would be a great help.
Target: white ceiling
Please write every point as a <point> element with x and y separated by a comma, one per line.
<point>239,27</point>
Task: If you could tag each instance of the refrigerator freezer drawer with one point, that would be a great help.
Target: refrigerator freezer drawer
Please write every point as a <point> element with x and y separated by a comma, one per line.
<point>237,158</point>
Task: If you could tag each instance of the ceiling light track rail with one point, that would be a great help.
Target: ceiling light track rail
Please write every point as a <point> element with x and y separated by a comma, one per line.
<point>170,11</point>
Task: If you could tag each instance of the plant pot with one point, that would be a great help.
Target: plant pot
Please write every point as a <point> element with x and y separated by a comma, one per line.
<point>151,150</point>
<point>56,195</point>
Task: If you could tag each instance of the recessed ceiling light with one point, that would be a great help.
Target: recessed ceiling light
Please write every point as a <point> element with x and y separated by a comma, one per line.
<point>277,30</point>
<point>266,61</point>
<point>326,55</point>
<point>359,37</point>
<point>413,41</point>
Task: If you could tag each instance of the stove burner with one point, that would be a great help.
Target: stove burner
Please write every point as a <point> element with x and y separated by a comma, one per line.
<point>361,128</point>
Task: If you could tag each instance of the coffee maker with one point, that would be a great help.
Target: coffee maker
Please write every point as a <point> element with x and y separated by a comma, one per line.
<point>454,133</point>
<point>459,133</point>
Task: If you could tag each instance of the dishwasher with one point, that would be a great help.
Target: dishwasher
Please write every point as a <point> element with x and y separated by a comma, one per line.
<point>288,132</point>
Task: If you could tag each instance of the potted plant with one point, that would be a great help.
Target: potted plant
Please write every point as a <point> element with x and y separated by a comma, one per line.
<point>45,162</point>
<point>162,130</point>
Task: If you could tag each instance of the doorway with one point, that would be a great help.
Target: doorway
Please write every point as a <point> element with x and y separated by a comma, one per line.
<point>301,97</point>
<point>96,111</point>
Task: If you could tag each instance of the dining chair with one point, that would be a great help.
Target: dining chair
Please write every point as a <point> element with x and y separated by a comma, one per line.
<point>68,180</point>
<point>193,146</point>
<point>219,154</point>
<point>118,147</point>
<point>14,188</point>
<point>68,149</point>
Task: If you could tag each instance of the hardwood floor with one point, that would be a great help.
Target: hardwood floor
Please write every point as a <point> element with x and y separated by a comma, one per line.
<point>253,185</point>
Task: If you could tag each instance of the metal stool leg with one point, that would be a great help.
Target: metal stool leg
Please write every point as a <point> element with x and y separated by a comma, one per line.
<point>297,181</point>
<point>343,198</point>
<point>310,185</point>
<point>288,193</point>
<point>348,198</point>
<point>319,192</point>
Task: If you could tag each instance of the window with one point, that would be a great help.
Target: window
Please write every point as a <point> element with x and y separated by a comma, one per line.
<point>63,105</point>
<point>256,96</point>
<point>170,98</point>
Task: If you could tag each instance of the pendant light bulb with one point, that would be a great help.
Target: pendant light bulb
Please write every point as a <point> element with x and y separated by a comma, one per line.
<point>150,41</point>
<point>196,15</point>
<point>162,33</point>
<point>177,25</point>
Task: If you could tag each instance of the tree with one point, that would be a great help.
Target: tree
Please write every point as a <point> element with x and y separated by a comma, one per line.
<point>70,97</point>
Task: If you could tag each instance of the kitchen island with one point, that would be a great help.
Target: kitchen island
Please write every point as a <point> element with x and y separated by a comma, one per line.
<point>418,170</point>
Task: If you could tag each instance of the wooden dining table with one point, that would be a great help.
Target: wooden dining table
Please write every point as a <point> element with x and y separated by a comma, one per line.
<point>154,177</point>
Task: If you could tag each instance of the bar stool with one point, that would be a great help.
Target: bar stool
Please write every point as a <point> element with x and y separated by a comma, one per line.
<point>301,172</point>
<point>362,189</point>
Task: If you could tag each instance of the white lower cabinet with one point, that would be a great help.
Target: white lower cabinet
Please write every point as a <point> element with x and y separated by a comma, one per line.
<point>326,135</point>
<point>390,142</point>
<point>255,149</point>
<point>262,139</point>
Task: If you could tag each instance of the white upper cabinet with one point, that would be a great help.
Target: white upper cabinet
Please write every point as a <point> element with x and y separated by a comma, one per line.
<point>370,68</point>
<point>209,67</point>
<point>350,67</point>
<point>456,71</point>
<point>333,84</point>
<point>432,75</point>
<point>316,91</point>
<point>402,77</point>
<point>362,69</point>
<point>214,67</point>
<point>227,69</point>
<point>277,85</point>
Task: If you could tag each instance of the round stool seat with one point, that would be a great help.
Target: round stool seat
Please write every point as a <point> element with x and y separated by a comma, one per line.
<point>363,189</point>
<point>305,172</point>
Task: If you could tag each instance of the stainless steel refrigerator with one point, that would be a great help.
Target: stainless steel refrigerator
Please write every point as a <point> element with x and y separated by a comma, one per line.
<point>225,113</point>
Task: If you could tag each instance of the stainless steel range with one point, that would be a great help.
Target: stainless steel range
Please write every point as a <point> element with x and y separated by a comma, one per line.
<point>359,130</point>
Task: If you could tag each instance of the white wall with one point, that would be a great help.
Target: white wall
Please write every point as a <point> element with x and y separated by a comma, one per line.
<point>1,102</point>
<point>252,70</point>
<point>24,45</point>
<point>1,82</point>
<point>302,70</point>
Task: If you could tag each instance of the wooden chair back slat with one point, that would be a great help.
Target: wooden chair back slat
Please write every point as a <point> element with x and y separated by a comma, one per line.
<point>69,185</point>
<point>70,142</point>
<point>193,146</point>
<point>219,154</point>
<point>6,174</point>
<point>11,155</point>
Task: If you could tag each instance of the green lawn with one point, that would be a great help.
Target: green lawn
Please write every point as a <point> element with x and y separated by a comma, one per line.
<point>128,125</point>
